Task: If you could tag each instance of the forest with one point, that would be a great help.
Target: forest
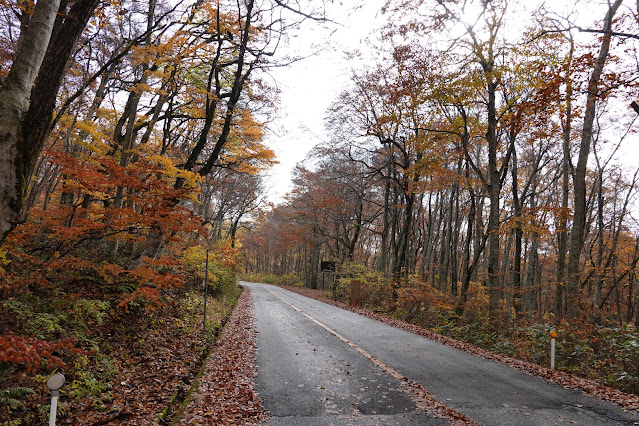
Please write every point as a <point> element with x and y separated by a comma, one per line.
<point>132,141</point>
<point>472,179</point>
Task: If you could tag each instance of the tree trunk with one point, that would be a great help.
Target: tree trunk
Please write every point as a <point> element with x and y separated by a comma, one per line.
<point>577,234</point>
<point>384,248</point>
<point>467,271</point>
<point>454,247</point>
<point>531,287</point>
<point>518,236</point>
<point>562,231</point>
<point>599,269</point>
<point>28,95</point>
<point>494,280</point>
<point>14,102</point>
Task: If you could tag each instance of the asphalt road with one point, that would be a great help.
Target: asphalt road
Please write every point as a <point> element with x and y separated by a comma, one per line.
<point>321,365</point>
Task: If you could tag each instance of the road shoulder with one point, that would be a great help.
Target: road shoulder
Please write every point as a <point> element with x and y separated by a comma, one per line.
<point>226,392</point>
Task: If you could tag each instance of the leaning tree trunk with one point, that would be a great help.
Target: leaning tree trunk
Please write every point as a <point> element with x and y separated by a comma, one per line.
<point>14,103</point>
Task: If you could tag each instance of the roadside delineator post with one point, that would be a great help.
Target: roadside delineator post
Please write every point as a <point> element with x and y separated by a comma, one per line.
<point>54,383</point>
<point>553,335</point>
<point>206,290</point>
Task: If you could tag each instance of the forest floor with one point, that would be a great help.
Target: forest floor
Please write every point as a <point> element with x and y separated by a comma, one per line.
<point>160,363</point>
<point>162,384</point>
<point>140,369</point>
<point>226,393</point>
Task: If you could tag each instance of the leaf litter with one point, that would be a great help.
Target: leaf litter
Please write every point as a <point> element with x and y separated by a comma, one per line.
<point>226,392</point>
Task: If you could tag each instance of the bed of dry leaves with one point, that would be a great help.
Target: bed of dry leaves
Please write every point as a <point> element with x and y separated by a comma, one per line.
<point>153,359</point>
<point>626,401</point>
<point>157,363</point>
<point>226,393</point>
<point>160,365</point>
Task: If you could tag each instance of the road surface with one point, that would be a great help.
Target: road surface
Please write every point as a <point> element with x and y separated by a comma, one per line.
<point>321,365</point>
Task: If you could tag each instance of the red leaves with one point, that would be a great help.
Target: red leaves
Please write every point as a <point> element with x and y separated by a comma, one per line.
<point>35,354</point>
<point>150,282</point>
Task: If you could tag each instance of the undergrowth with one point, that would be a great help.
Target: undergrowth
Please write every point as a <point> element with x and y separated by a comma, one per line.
<point>291,279</point>
<point>109,346</point>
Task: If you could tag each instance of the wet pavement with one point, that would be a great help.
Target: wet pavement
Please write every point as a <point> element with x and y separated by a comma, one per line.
<point>308,376</point>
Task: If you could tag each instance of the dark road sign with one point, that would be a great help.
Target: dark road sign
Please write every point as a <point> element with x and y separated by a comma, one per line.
<point>327,265</point>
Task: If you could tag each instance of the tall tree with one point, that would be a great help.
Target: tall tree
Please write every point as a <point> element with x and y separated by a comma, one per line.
<point>28,95</point>
<point>577,233</point>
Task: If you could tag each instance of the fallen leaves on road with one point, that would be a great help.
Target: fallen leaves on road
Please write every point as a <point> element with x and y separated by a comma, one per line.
<point>226,394</point>
<point>427,402</point>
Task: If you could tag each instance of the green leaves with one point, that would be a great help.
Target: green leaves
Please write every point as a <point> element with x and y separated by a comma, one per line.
<point>10,398</point>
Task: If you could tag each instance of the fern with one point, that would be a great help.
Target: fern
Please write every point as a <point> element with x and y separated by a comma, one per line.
<point>9,397</point>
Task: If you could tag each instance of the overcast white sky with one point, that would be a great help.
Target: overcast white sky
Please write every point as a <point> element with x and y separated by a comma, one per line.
<point>309,86</point>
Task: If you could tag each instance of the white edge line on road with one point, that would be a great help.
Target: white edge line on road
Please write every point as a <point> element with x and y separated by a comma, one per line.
<point>426,400</point>
<point>376,361</point>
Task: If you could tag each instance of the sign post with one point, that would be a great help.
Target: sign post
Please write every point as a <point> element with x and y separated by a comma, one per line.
<point>327,266</point>
<point>206,289</point>
<point>356,293</point>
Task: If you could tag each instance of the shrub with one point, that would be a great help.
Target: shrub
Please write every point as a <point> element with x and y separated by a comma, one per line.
<point>33,353</point>
<point>223,262</point>
<point>9,398</point>
<point>476,306</point>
